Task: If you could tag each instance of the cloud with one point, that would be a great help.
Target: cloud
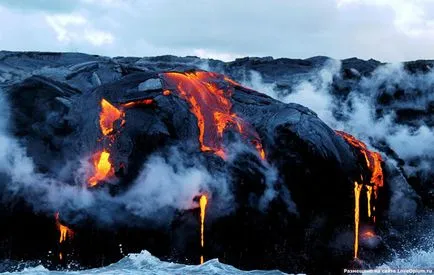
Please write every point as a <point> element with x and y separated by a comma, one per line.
<point>224,29</point>
<point>75,28</point>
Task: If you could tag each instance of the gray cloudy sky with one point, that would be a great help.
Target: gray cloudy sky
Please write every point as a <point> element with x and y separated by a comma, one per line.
<point>388,30</point>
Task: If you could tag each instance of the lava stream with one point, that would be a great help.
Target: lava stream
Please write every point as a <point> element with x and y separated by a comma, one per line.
<point>368,197</point>
<point>102,166</point>
<point>64,231</point>
<point>212,108</point>
<point>138,103</point>
<point>202,203</point>
<point>373,162</point>
<point>357,189</point>
<point>108,116</point>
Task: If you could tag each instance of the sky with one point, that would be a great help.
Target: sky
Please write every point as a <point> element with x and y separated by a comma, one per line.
<point>386,30</point>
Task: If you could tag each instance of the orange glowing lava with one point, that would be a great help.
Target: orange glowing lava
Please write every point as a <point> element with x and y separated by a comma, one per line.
<point>368,197</point>
<point>102,168</point>
<point>202,203</point>
<point>368,234</point>
<point>357,188</point>
<point>138,103</point>
<point>108,116</point>
<point>373,160</point>
<point>212,108</point>
<point>64,231</point>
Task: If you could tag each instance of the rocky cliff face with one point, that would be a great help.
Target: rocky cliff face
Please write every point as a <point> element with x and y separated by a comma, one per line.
<point>123,148</point>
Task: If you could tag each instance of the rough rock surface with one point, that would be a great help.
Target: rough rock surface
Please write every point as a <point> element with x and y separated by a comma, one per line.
<point>55,108</point>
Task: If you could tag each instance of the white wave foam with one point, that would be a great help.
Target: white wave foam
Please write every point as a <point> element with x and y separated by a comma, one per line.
<point>146,264</point>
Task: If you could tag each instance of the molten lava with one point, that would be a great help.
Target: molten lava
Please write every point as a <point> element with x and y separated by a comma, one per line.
<point>373,162</point>
<point>202,202</point>
<point>138,103</point>
<point>368,197</point>
<point>108,116</point>
<point>64,231</point>
<point>357,189</point>
<point>368,234</point>
<point>102,168</point>
<point>212,108</point>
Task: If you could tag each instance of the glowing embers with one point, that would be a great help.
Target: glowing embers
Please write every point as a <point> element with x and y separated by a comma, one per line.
<point>102,168</point>
<point>212,108</point>
<point>108,116</point>
<point>64,231</point>
<point>368,234</point>
<point>202,203</point>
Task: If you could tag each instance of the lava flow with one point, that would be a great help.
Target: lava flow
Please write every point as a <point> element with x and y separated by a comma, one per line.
<point>368,197</point>
<point>212,107</point>
<point>102,166</point>
<point>138,103</point>
<point>64,231</point>
<point>373,162</point>
<point>108,116</point>
<point>357,188</point>
<point>202,203</point>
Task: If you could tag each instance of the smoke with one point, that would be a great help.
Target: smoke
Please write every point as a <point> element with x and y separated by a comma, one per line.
<point>361,112</point>
<point>168,182</point>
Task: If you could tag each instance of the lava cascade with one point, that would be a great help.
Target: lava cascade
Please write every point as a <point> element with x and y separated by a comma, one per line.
<point>64,231</point>
<point>357,189</point>
<point>373,162</point>
<point>203,201</point>
<point>212,107</point>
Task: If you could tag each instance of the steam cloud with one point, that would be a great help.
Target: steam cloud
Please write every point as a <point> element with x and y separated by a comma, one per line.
<point>166,184</point>
<point>357,113</point>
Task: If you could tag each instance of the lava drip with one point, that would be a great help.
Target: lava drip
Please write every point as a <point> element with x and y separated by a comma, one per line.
<point>368,197</point>
<point>202,203</point>
<point>212,107</point>
<point>64,231</point>
<point>357,189</point>
<point>373,162</point>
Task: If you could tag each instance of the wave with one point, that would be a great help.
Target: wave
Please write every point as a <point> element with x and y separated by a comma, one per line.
<point>145,263</point>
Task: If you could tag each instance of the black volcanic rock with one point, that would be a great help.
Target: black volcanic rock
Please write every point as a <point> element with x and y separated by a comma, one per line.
<point>55,103</point>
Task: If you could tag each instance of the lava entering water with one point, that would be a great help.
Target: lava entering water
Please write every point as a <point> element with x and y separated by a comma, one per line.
<point>357,188</point>
<point>64,231</point>
<point>212,107</point>
<point>202,203</point>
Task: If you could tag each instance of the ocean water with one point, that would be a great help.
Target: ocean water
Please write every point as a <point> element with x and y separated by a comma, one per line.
<point>145,263</point>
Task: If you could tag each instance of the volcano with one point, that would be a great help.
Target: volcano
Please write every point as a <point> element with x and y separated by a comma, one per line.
<point>131,157</point>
